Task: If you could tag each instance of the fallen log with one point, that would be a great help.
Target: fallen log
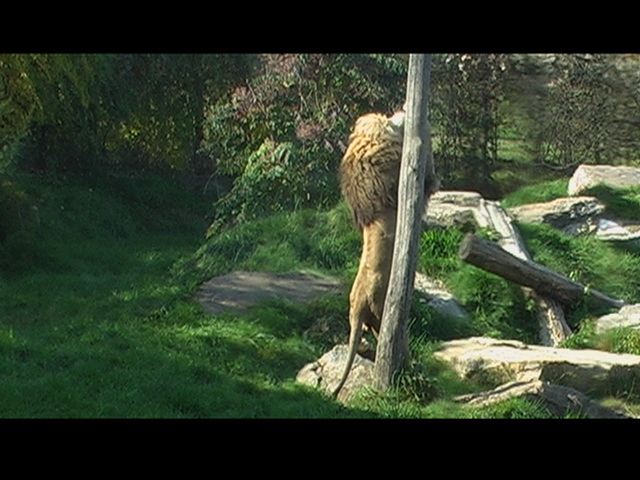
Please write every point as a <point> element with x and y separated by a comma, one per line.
<point>553,325</point>
<point>493,258</point>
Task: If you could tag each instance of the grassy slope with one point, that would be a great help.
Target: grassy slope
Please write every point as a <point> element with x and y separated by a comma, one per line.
<point>101,324</point>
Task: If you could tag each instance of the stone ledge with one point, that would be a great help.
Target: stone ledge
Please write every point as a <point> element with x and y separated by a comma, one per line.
<point>506,361</point>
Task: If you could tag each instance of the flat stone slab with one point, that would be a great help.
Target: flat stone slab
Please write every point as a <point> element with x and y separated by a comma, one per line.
<point>572,215</point>
<point>510,360</point>
<point>452,209</point>
<point>558,399</point>
<point>240,290</point>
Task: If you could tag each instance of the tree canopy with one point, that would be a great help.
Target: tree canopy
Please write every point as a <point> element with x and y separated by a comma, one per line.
<point>276,125</point>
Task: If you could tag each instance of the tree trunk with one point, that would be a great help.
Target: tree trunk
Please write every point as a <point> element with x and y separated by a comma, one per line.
<point>392,351</point>
<point>491,257</point>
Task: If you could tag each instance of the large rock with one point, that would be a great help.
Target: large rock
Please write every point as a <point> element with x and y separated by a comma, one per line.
<point>628,317</point>
<point>507,361</point>
<point>326,372</point>
<point>452,209</point>
<point>560,378</point>
<point>577,216</point>
<point>618,230</point>
<point>573,216</point>
<point>587,176</point>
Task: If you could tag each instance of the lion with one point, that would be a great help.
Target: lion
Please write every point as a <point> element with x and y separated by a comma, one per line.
<point>369,174</point>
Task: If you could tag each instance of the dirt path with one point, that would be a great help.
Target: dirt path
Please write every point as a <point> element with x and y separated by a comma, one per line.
<point>239,290</point>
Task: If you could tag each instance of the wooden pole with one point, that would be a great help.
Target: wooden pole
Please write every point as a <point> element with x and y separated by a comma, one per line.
<point>393,351</point>
<point>493,258</point>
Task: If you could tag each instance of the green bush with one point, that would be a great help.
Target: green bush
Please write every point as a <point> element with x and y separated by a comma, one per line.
<point>278,177</point>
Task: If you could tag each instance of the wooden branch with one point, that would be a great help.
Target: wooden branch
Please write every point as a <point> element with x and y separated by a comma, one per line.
<point>491,257</point>
<point>553,325</point>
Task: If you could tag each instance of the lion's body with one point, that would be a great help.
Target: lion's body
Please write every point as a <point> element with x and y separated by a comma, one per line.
<point>369,182</point>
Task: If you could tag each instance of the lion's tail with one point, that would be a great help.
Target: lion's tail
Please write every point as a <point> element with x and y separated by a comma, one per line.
<point>354,341</point>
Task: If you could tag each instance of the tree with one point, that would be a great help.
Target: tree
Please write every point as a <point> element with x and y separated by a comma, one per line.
<point>468,89</point>
<point>166,97</point>
<point>18,102</point>
<point>417,164</point>
<point>577,124</point>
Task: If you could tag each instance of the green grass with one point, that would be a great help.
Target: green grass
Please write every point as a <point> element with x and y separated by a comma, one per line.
<point>99,321</point>
<point>101,327</point>
<point>322,241</point>
<point>538,193</point>
<point>624,203</point>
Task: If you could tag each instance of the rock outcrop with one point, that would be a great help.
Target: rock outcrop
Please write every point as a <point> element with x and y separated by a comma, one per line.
<point>562,379</point>
<point>587,176</point>
<point>326,372</point>
<point>627,317</point>
<point>557,399</point>
<point>510,360</point>
<point>452,209</point>
<point>578,216</point>
<point>573,216</point>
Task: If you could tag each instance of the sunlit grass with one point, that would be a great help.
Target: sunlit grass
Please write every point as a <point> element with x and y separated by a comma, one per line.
<point>103,324</point>
<point>538,193</point>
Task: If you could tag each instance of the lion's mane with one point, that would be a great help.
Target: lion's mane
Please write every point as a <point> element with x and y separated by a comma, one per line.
<point>371,165</point>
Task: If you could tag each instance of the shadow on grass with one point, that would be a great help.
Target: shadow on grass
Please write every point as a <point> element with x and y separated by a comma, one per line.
<point>102,345</point>
<point>150,371</point>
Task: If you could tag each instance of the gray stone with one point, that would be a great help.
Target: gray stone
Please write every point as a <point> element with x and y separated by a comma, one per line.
<point>557,399</point>
<point>505,361</point>
<point>452,209</point>
<point>617,230</point>
<point>439,297</point>
<point>326,372</point>
<point>587,176</point>
<point>627,317</point>
<point>240,290</point>
<point>577,216</point>
<point>573,216</point>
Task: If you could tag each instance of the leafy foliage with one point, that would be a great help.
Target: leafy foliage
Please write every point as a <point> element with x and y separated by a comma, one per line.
<point>83,111</point>
<point>575,127</point>
<point>282,133</point>
<point>467,92</point>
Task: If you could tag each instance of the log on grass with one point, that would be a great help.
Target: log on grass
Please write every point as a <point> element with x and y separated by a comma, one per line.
<point>553,325</point>
<point>493,258</point>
